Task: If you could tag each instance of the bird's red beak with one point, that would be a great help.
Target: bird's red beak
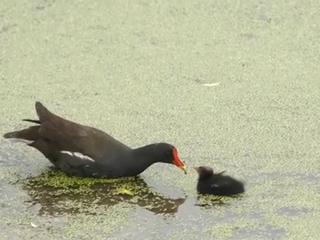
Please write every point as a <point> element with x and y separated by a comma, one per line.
<point>177,161</point>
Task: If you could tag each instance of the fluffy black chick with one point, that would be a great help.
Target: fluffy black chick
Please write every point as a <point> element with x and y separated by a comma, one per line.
<point>217,183</point>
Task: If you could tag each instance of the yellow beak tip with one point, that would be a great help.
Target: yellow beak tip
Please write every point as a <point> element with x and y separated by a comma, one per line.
<point>183,168</point>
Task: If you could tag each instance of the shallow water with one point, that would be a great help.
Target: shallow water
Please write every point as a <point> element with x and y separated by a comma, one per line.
<point>232,84</point>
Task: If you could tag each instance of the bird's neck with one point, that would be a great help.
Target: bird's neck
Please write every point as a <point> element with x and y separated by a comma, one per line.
<point>144,157</point>
<point>205,177</point>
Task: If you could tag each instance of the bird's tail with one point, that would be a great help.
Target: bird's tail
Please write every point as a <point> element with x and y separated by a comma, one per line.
<point>30,134</point>
<point>33,121</point>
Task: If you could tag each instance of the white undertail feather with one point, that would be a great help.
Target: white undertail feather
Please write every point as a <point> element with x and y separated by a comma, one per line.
<point>20,140</point>
<point>78,155</point>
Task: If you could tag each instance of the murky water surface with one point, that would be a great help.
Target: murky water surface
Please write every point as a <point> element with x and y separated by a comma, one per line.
<point>233,84</point>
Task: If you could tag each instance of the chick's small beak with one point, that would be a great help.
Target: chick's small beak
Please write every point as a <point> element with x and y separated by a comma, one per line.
<point>196,168</point>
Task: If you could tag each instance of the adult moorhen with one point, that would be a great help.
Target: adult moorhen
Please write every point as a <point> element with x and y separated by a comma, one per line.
<point>217,183</point>
<point>89,152</point>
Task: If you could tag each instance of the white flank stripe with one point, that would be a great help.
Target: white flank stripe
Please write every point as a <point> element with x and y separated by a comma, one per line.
<point>78,155</point>
<point>66,152</point>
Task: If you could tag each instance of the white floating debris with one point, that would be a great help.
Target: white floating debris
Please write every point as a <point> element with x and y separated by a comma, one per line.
<point>211,84</point>
<point>33,225</point>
